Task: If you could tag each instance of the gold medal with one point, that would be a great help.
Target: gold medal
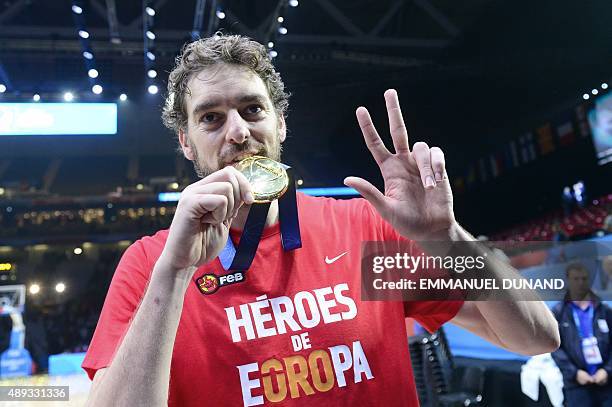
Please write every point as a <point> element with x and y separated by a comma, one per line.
<point>267,177</point>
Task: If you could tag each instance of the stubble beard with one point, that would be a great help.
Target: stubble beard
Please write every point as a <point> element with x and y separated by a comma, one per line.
<point>202,170</point>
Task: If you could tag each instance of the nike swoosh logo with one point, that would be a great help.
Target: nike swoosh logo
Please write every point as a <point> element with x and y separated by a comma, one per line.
<point>330,261</point>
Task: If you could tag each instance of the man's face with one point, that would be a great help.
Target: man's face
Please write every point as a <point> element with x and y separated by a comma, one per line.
<point>578,284</point>
<point>230,117</point>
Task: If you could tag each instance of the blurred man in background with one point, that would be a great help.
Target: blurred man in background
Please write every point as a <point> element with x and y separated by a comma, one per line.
<point>584,355</point>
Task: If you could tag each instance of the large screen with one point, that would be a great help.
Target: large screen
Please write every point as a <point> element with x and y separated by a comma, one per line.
<point>600,120</point>
<point>57,118</point>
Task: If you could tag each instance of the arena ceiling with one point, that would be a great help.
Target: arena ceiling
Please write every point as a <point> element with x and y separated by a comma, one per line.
<point>323,36</point>
<point>484,66</point>
<point>484,45</point>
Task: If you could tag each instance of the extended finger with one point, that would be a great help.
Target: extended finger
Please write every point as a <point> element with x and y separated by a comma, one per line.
<point>399,133</point>
<point>370,135</point>
<point>368,191</point>
<point>422,156</point>
<point>438,163</point>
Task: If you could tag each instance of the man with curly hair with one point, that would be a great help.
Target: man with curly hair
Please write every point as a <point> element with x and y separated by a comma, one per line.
<point>295,330</point>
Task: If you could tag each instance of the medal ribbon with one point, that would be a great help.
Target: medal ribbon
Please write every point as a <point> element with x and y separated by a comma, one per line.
<point>240,259</point>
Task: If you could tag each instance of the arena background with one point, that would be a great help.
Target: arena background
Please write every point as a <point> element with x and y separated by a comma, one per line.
<point>474,77</point>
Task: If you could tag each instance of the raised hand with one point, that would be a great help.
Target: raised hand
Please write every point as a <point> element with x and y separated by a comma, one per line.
<point>203,216</point>
<point>418,201</point>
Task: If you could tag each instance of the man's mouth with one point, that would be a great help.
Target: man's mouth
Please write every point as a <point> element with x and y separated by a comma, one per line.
<point>239,158</point>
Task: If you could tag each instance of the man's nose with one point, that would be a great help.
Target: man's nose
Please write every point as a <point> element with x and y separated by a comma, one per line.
<point>237,128</point>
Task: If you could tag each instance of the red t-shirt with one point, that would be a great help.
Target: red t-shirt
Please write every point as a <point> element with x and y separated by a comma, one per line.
<point>295,330</point>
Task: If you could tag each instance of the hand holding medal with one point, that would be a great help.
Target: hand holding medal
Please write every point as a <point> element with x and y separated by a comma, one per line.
<point>269,181</point>
<point>200,226</point>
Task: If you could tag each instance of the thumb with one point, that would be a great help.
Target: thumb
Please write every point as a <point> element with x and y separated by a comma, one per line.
<point>368,191</point>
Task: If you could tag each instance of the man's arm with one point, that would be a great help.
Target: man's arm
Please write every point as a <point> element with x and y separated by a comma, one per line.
<point>418,203</point>
<point>518,325</point>
<point>140,371</point>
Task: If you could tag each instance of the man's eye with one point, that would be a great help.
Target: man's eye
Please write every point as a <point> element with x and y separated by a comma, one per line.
<point>208,118</point>
<point>254,109</point>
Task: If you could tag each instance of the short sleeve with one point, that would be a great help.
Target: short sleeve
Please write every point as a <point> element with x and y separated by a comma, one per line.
<point>432,314</point>
<point>124,295</point>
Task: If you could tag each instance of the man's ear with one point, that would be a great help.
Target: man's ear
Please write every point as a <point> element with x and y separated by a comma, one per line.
<point>185,145</point>
<point>282,128</point>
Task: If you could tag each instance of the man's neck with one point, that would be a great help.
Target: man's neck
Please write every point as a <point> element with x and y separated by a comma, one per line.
<point>584,303</point>
<point>243,213</point>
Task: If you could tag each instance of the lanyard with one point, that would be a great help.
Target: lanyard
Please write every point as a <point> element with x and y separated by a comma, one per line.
<point>586,331</point>
<point>240,258</point>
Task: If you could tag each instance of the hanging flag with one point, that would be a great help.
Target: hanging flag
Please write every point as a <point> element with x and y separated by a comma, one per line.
<point>565,133</point>
<point>527,148</point>
<point>545,139</point>
<point>531,147</point>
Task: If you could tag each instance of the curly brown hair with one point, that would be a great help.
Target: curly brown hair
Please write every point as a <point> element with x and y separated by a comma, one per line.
<point>231,49</point>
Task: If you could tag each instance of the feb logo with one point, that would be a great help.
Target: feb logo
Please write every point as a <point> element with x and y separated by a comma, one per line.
<point>210,283</point>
